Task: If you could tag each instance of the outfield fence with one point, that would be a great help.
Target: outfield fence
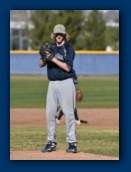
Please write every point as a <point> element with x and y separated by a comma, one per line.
<point>85,63</point>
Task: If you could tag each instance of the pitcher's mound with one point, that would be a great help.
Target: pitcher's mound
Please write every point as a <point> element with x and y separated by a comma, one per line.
<point>56,155</point>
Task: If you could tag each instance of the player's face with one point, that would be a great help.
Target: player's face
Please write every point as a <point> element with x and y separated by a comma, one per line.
<point>59,37</point>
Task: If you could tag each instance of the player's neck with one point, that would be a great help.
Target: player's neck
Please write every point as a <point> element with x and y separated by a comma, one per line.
<point>60,43</point>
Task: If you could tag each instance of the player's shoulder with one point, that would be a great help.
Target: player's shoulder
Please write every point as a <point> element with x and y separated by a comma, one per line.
<point>69,46</point>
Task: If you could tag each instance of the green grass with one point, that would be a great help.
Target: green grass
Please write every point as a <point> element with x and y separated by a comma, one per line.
<point>101,141</point>
<point>98,91</point>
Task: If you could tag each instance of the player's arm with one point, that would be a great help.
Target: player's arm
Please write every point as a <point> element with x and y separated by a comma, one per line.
<point>42,62</point>
<point>68,63</point>
<point>62,65</point>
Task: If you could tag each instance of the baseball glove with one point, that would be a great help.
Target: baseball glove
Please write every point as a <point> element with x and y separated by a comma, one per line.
<point>79,95</point>
<point>46,51</point>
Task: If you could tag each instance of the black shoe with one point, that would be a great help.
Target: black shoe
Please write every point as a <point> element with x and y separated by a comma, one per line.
<point>72,148</point>
<point>51,146</point>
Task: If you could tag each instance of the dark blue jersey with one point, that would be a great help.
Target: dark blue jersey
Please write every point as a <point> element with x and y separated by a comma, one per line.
<point>64,53</point>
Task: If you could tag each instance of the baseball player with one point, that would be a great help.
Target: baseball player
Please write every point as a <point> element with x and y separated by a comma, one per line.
<point>58,118</point>
<point>61,88</point>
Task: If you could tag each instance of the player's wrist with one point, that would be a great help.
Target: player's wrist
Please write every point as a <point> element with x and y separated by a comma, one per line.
<point>54,59</point>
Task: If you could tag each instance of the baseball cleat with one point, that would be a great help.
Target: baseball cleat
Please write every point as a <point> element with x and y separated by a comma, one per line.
<point>51,146</point>
<point>72,148</point>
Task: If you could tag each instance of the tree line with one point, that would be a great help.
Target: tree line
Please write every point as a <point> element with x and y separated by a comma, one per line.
<point>90,34</point>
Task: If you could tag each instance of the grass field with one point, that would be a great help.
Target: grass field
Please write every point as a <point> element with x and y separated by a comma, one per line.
<point>100,141</point>
<point>98,92</point>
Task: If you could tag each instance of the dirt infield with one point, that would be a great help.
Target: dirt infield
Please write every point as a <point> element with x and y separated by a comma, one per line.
<point>36,117</point>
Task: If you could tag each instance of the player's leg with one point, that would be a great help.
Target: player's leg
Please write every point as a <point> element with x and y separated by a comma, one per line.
<point>60,115</point>
<point>76,117</point>
<point>51,108</point>
<point>76,114</point>
<point>67,102</point>
<point>58,118</point>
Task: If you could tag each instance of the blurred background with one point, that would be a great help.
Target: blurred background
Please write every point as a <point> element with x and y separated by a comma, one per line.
<point>88,29</point>
<point>94,34</point>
